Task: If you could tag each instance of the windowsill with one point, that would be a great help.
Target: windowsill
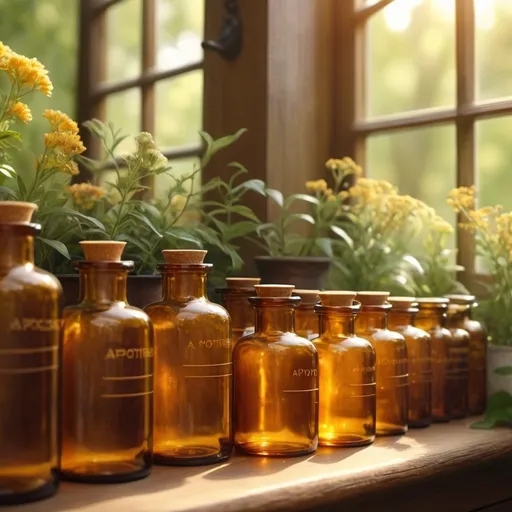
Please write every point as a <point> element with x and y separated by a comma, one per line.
<point>444,467</point>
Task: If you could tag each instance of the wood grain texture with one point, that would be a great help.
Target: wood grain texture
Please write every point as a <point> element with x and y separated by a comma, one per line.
<point>445,467</point>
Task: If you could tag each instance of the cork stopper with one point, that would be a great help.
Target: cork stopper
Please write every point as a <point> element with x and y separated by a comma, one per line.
<point>402,302</point>
<point>460,299</point>
<point>184,256</point>
<point>274,290</point>
<point>372,298</point>
<point>241,283</point>
<point>102,250</point>
<point>337,298</point>
<point>308,297</point>
<point>435,301</point>
<point>16,212</point>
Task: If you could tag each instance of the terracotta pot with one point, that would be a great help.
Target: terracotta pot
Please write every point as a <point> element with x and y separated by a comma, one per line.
<point>142,290</point>
<point>306,272</point>
<point>498,356</point>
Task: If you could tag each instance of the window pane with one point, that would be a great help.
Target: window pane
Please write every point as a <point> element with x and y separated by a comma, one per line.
<point>411,57</point>
<point>179,112</point>
<point>123,110</point>
<point>421,163</point>
<point>494,154</point>
<point>180,26</point>
<point>493,46</point>
<point>124,40</point>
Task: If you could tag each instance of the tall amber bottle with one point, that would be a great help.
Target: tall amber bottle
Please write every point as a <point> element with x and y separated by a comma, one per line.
<point>107,375</point>
<point>419,359</point>
<point>347,374</point>
<point>431,317</point>
<point>391,353</point>
<point>235,298</point>
<point>29,352</point>
<point>193,366</point>
<point>458,364</point>
<point>275,381</point>
<point>477,364</point>
<point>306,320</point>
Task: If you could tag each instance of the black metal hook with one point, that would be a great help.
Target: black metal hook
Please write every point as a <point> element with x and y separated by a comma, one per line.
<point>230,40</point>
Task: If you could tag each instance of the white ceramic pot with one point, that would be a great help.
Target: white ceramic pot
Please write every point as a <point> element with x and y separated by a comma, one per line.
<point>498,356</point>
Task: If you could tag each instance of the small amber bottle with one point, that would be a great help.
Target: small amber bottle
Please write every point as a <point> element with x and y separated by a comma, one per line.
<point>107,375</point>
<point>306,320</point>
<point>431,317</point>
<point>391,354</point>
<point>477,365</point>
<point>458,360</point>
<point>275,381</point>
<point>235,298</point>
<point>419,359</point>
<point>347,374</point>
<point>193,366</point>
<point>29,355</point>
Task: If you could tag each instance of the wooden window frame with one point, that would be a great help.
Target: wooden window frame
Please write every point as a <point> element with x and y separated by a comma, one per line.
<point>352,129</point>
<point>93,88</point>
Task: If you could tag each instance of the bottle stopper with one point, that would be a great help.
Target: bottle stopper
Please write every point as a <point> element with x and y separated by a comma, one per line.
<point>372,298</point>
<point>402,302</point>
<point>274,290</point>
<point>184,256</point>
<point>461,299</point>
<point>337,298</point>
<point>102,250</point>
<point>309,297</point>
<point>242,283</point>
<point>432,301</point>
<point>16,212</point>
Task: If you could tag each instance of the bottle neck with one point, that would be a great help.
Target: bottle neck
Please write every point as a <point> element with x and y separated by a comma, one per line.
<point>400,319</point>
<point>274,319</point>
<point>102,285</point>
<point>369,321</point>
<point>337,324</point>
<point>457,320</point>
<point>183,285</point>
<point>427,320</point>
<point>16,250</point>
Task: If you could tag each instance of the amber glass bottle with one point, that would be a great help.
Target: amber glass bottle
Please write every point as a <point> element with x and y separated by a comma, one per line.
<point>419,359</point>
<point>107,375</point>
<point>458,361</point>
<point>193,366</point>
<point>235,298</point>
<point>347,374</point>
<point>275,381</point>
<point>477,364</point>
<point>391,354</point>
<point>306,320</point>
<point>431,317</point>
<point>29,354</point>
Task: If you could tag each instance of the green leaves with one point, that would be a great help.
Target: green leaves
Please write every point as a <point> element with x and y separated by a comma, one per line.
<point>498,412</point>
<point>504,371</point>
<point>58,246</point>
<point>214,146</point>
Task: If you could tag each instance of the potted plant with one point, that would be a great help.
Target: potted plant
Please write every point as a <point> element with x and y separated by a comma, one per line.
<point>493,236</point>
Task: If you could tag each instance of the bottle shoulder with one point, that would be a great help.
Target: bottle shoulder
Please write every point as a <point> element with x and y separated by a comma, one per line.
<point>29,276</point>
<point>286,340</point>
<point>118,312</point>
<point>196,307</point>
<point>460,334</point>
<point>415,333</point>
<point>385,335</point>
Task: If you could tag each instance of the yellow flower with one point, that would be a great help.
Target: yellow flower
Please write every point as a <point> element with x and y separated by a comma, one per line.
<point>4,51</point>
<point>345,166</point>
<point>462,198</point>
<point>86,195</point>
<point>21,111</point>
<point>439,225</point>
<point>316,186</point>
<point>60,122</point>
<point>178,201</point>
<point>67,143</point>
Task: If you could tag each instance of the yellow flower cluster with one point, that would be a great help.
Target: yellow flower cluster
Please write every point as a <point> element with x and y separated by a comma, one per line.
<point>462,198</point>
<point>86,195</point>
<point>316,186</point>
<point>345,166</point>
<point>27,74</point>
<point>60,122</point>
<point>21,111</point>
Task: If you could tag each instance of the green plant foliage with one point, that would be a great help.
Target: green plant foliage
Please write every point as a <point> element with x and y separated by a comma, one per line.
<point>498,412</point>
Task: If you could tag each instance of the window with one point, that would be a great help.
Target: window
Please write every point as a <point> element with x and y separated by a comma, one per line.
<point>426,97</point>
<point>141,67</point>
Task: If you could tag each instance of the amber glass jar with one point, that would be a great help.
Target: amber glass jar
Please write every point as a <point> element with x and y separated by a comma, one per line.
<point>431,317</point>
<point>306,320</point>
<point>419,359</point>
<point>462,305</point>
<point>458,364</point>
<point>391,363</point>
<point>107,375</point>
<point>347,374</point>
<point>235,298</point>
<point>193,366</point>
<point>275,381</point>
<point>29,355</point>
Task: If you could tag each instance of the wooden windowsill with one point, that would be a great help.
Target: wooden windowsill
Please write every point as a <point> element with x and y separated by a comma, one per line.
<point>446,467</point>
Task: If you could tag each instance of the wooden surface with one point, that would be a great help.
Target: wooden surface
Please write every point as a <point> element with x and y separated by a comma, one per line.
<point>445,467</point>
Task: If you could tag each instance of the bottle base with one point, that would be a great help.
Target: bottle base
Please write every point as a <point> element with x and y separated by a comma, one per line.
<point>105,473</point>
<point>275,449</point>
<point>192,456</point>
<point>387,429</point>
<point>346,440</point>
<point>458,416</point>
<point>420,423</point>
<point>13,497</point>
